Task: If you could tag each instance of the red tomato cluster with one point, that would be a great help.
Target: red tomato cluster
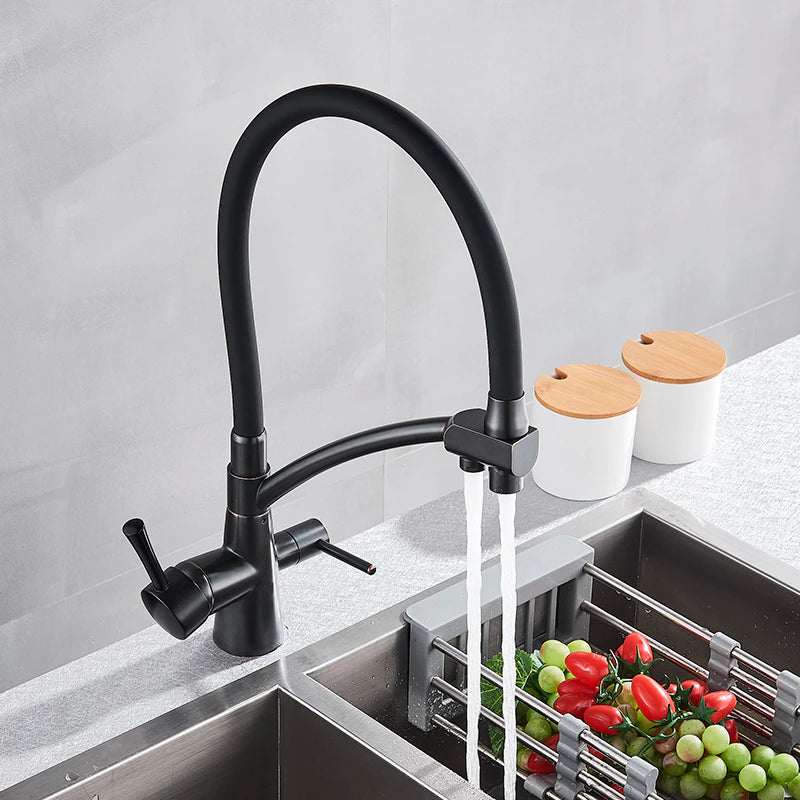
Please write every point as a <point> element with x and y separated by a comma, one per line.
<point>577,695</point>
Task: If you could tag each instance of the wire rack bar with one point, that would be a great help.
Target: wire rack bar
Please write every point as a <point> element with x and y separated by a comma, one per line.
<point>701,632</point>
<point>550,794</point>
<point>690,666</point>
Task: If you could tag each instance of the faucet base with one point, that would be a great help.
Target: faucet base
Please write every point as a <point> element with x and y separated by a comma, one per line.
<point>252,625</point>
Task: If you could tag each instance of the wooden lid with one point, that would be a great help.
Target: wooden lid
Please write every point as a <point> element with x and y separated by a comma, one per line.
<point>674,357</point>
<point>588,391</point>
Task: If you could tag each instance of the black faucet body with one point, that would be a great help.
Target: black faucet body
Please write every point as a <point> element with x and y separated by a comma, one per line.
<point>238,582</point>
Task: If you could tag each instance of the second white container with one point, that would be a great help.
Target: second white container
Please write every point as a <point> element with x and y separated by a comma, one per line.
<point>586,416</point>
<point>680,374</point>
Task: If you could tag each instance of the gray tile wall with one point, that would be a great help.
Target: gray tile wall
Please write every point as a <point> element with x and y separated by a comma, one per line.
<point>640,160</point>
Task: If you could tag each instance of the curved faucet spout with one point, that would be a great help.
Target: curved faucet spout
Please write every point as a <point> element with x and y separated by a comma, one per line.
<point>443,168</point>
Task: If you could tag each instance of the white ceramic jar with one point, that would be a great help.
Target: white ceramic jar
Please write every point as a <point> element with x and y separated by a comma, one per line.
<point>680,374</point>
<point>586,416</point>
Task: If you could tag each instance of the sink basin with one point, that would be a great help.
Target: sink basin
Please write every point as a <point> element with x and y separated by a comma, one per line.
<point>244,741</point>
<point>692,567</point>
<point>332,720</point>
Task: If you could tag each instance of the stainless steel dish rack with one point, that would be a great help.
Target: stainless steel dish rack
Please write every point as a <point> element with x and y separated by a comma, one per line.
<point>554,591</point>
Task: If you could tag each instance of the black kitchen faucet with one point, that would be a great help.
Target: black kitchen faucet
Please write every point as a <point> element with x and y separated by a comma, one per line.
<point>238,582</point>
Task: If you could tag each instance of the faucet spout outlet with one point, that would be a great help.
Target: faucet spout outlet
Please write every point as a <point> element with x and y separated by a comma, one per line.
<point>509,460</point>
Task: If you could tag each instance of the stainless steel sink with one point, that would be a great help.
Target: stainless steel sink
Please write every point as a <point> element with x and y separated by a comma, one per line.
<point>331,720</point>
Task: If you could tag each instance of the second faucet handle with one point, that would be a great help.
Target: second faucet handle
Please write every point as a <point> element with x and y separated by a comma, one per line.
<point>136,533</point>
<point>298,542</point>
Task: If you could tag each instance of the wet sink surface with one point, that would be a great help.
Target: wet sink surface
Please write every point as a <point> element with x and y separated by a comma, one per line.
<point>331,720</point>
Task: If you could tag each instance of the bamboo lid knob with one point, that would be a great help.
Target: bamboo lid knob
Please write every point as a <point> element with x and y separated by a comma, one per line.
<point>588,391</point>
<point>674,357</point>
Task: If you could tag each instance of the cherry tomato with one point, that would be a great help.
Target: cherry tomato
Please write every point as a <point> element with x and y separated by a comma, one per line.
<point>733,731</point>
<point>602,719</point>
<point>588,668</point>
<point>723,701</point>
<point>672,688</point>
<point>539,765</point>
<point>698,689</point>
<point>651,697</point>
<point>635,643</point>
<point>575,704</point>
<point>574,686</point>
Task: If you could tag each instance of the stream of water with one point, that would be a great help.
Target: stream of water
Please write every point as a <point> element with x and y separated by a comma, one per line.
<point>473,499</point>
<point>508,589</point>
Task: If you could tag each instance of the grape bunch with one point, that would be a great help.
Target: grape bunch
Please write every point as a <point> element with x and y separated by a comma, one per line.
<point>681,728</point>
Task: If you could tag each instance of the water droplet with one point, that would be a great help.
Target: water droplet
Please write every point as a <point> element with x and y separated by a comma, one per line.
<point>71,776</point>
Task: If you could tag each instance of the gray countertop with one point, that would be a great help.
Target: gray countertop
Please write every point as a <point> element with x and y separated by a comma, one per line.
<point>749,485</point>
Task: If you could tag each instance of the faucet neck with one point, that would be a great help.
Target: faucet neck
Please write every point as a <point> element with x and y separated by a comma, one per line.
<point>446,172</point>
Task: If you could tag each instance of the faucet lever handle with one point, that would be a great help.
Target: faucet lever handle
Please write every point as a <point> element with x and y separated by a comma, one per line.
<point>305,539</point>
<point>136,533</point>
<point>346,557</point>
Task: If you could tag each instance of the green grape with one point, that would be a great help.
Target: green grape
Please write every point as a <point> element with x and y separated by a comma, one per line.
<point>692,787</point>
<point>552,698</point>
<point>772,791</point>
<point>673,764</point>
<point>691,727</point>
<point>635,746</point>
<point>540,729</point>
<point>690,748</point>
<point>794,788</point>
<point>644,724</point>
<point>579,646</point>
<point>619,743</point>
<point>669,784</point>
<point>667,745</point>
<point>731,790</point>
<point>715,739</point>
<point>625,697</point>
<point>549,678</point>
<point>735,756</point>
<point>532,713</point>
<point>523,754</point>
<point>753,778</point>
<point>630,736</point>
<point>783,768</point>
<point>553,653</point>
<point>654,757</point>
<point>712,769</point>
<point>762,756</point>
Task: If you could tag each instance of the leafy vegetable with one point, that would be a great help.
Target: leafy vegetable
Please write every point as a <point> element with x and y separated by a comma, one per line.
<point>528,667</point>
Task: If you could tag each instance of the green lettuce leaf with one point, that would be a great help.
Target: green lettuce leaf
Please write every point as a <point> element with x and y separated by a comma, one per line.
<point>528,667</point>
